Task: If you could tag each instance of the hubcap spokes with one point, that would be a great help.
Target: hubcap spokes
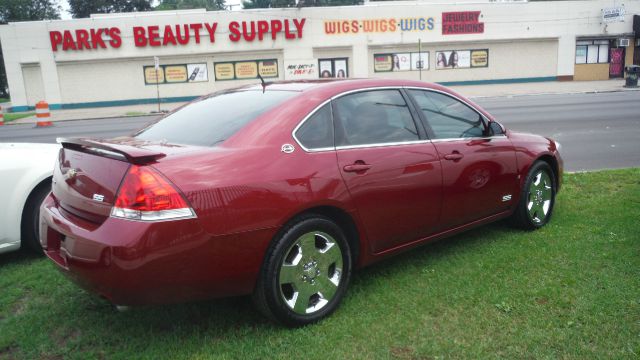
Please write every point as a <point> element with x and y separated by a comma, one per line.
<point>539,197</point>
<point>310,272</point>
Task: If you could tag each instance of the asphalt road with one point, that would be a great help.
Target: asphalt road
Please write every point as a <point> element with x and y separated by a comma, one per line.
<point>597,131</point>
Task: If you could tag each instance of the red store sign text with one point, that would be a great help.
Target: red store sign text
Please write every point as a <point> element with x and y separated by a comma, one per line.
<point>175,35</point>
<point>462,22</point>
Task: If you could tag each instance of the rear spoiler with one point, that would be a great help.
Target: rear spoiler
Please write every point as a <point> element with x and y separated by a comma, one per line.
<point>115,150</point>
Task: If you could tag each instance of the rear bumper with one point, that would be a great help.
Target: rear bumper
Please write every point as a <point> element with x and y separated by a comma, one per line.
<point>136,263</point>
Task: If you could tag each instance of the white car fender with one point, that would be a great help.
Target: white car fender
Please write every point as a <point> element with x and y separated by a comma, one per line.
<point>22,168</point>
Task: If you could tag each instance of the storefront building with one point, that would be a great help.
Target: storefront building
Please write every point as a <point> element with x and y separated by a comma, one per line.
<point>110,60</point>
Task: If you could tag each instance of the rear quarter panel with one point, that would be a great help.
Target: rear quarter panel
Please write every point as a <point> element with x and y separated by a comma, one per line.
<point>246,189</point>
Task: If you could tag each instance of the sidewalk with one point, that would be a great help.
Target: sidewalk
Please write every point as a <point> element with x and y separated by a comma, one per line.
<point>471,91</point>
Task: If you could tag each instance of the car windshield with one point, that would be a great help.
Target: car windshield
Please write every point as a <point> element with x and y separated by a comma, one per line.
<point>213,119</point>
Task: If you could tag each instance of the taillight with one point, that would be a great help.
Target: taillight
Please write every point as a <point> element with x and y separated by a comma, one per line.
<point>146,195</point>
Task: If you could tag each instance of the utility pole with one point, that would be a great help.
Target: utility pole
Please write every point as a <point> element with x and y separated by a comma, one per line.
<point>156,64</point>
<point>420,63</point>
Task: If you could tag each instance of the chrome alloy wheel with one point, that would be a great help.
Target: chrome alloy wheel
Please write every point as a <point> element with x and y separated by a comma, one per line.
<point>539,198</point>
<point>310,272</point>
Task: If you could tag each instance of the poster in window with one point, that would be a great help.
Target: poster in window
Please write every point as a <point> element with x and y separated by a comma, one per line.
<point>224,71</point>
<point>420,61</point>
<point>464,59</point>
<point>268,68</point>
<point>150,75</point>
<point>246,70</point>
<point>341,68</point>
<point>197,72</point>
<point>401,62</point>
<point>175,73</point>
<point>326,70</point>
<point>442,60</point>
<point>453,59</point>
<point>479,58</point>
<point>382,62</point>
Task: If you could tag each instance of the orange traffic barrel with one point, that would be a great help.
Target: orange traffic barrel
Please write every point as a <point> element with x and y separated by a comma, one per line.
<point>1,116</point>
<point>43,114</point>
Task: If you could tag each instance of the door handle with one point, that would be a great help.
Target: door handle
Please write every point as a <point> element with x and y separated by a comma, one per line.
<point>455,156</point>
<point>357,167</point>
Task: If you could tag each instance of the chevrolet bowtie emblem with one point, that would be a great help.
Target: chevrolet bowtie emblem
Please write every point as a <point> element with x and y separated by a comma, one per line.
<point>72,173</point>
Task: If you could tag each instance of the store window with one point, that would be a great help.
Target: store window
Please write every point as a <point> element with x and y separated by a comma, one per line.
<point>592,51</point>
<point>401,61</point>
<point>334,68</point>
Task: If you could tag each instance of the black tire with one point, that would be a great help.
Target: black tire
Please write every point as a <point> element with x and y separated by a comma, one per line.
<point>30,224</point>
<point>276,298</point>
<point>539,188</point>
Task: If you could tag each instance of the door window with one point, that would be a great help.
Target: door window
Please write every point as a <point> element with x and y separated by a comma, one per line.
<point>373,117</point>
<point>317,131</point>
<point>448,118</point>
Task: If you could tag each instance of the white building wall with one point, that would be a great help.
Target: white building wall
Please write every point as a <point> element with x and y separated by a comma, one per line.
<point>535,39</point>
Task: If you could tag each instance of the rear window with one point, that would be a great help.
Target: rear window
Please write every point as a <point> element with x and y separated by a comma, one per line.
<point>214,119</point>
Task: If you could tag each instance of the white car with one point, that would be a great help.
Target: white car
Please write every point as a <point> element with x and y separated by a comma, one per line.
<point>25,180</point>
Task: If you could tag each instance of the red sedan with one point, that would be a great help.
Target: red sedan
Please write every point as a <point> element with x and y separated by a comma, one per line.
<point>281,190</point>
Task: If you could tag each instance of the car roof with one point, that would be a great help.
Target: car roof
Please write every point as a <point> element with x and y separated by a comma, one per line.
<point>335,86</point>
<point>328,88</point>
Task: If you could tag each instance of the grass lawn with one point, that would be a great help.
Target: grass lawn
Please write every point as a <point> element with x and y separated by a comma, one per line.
<point>15,116</point>
<point>568,291</point>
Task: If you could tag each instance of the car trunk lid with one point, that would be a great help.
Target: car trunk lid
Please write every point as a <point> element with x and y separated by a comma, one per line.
<point>89,172</point>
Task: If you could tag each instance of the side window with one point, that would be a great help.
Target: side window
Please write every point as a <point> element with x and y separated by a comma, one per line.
<point>373,117</point>
<point>448,117</point>
<point>495,128</point>
<point>317,131</point>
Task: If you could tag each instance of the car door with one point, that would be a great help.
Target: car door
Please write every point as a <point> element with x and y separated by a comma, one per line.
<point>391,170</point>
<point>478,161</point>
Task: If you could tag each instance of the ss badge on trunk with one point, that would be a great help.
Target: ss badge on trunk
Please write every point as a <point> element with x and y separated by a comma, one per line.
<point>98,197</point>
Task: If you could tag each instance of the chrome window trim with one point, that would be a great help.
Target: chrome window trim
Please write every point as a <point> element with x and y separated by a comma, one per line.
<point>349,92</point>
<point>347,147</point>
<point>376,145</point>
